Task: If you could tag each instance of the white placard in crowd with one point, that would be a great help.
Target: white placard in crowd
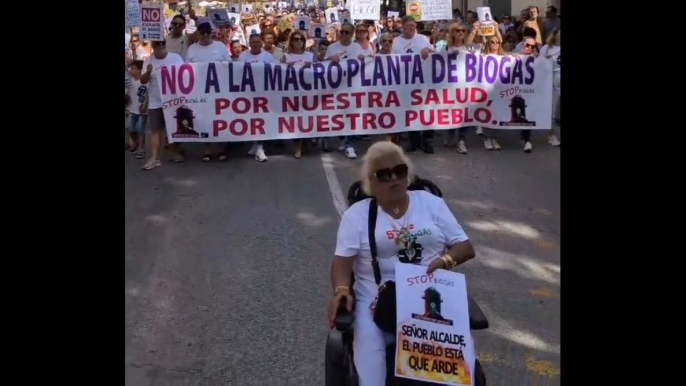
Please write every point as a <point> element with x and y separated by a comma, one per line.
<point>302,23</point>
<point>484,14</point>
<point>332,15</point>
<point>393,15</point>
<point>434,343</point>
<point>318,31</point>
<point>365,9</point>
<point>133,14</point>
<point>219,17</point>
<point>390,93</point>
<point>486,24</point>
<point>152,22</point>
<point>283,5</point>
<point>253,30</point>
<point>435,9</point>
<point>234,8</point>
<point>235,18</point>
<point>247,8</point>
<point>345,17</point>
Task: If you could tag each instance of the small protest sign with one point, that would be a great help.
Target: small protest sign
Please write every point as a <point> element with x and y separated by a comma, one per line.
<point>434,343</point>
<point>486,24</point>
<point>302,23</point>
<point>318,31</point>
<point>152,22</point>
<point>253,30</point>
<point>365,9</point>
<point>133,14</point>
<point>219,17</point>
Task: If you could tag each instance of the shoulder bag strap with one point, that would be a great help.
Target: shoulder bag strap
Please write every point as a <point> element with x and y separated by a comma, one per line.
<point>371,230</point>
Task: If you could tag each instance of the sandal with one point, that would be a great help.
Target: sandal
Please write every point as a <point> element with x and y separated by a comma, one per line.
<point>221,157</point>
<point>207,158</point>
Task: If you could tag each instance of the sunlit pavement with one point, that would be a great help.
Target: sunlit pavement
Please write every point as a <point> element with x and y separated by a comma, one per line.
<point>227,263</point>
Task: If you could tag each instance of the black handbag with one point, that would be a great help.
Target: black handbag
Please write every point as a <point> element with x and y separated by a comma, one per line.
<point>385,304</point>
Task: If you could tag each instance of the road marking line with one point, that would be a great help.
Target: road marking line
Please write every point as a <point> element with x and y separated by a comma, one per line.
<point>339,200</point>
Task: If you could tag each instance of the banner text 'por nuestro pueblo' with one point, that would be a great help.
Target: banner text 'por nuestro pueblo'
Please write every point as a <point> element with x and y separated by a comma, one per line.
<point>386,94</point>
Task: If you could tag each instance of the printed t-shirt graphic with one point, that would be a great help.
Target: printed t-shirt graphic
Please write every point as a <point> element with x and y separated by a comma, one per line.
<point>431,224</point>
<point>137,93</point>
<point>410,46</point>
<point>262,57</point>
<point>338,49</point>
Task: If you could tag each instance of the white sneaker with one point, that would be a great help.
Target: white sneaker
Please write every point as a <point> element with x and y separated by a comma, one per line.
<point>479,131</point>
<point>488,144</point>
<point>253,149</point>
<point>496,145</point>
<point>461,148</point>
<point>259,154</point>
<point>553,141</point>
<point>350,153</point>
<point>528,147</point>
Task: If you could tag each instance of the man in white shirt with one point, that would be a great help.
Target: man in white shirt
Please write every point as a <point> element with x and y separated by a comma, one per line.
<point>343,49</point>
<point>160,58</point>
<point>410,42</point>
<point>208,50</point>
<point>256,55</point>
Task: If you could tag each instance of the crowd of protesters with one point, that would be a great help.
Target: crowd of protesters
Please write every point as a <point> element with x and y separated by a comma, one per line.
<point>192,39</point>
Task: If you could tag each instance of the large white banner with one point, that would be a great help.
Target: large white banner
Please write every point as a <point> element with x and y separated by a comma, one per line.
<point>224,102</point>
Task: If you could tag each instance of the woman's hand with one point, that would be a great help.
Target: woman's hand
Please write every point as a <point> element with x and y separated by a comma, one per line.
<point>436,264</point>
<point>336,303</point>
<point>361,57</point>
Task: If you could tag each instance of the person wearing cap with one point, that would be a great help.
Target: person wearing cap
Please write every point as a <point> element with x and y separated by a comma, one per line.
<point>208,50</point>
<point>160,58</point>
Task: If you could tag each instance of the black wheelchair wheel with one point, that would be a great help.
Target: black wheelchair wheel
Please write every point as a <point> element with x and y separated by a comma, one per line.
<point>335,373</point>
<point>479,375</point>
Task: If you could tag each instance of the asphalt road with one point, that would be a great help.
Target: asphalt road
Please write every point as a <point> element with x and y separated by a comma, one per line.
<point>227,264</point>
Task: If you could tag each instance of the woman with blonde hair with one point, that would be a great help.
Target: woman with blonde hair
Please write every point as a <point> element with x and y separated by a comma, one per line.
<point>405,220</point>
<point>493,46</point>
<point>297,56</point>
<point>551,51</point>
<point>458,41</point>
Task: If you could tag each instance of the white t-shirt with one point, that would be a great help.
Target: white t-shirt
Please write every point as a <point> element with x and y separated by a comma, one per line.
<point>262,57</point>
<point>137,93</point>
<point>554,52</point>
<point>299,59</point>
<point>415,45</point>
<point>356,50</point>
<point>339,49</point>
<point>455,49</point>
<point>430,221</point>
<point>215,52</point>
<point>155,97</point>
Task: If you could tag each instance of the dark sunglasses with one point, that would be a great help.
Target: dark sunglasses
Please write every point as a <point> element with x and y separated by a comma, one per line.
<point>177,24</point>
<point>298,39</point>
<point>344,32</point>
<point>458,30</point>
<point>527,45</point>
<point>386,41</point>
<point>361,31</point>
<point>159,44</point>
<point>135,41</point>
<point>386,175</point>
<point>494,42</point>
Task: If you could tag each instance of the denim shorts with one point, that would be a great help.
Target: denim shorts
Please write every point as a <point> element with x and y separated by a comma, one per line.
<point>137,124</point>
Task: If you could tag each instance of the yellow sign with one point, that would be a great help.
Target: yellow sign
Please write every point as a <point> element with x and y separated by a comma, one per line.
<point>486,30</point>
<point>414,9</point>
